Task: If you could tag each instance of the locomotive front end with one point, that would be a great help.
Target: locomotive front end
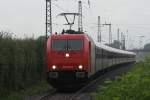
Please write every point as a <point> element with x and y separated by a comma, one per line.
<point>67,60</point>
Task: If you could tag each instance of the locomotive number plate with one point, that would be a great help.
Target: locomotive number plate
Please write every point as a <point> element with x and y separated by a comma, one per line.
<point>67,67</point>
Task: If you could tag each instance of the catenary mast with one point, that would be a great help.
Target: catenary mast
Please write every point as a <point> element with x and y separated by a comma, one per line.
<point>48,18</point>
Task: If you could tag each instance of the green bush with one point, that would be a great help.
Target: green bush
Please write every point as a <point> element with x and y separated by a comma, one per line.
<point>22,62</point>
<point>133,86</point>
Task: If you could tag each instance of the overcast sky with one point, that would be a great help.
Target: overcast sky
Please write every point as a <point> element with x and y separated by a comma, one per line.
<point>27,17</point>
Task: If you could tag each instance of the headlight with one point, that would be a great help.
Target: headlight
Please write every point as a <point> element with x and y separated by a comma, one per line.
<point>54,67</point>
<point>80,67</point>
<point>67,55</point>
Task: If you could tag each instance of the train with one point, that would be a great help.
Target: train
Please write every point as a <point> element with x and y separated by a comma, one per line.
<point>73,58</point>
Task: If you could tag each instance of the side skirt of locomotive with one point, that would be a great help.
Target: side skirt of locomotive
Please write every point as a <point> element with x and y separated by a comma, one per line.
<point>67,79</point>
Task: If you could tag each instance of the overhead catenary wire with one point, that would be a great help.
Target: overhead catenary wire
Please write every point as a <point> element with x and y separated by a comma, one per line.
<point>62,9</point>
<point>59,9</point>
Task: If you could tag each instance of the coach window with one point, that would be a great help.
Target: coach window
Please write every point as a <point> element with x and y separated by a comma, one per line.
<point>106,54</point>
<point>100,52</point>
<point>96,50</point>
<point>103,53</point>
<point>109,54</point>
<point>101,56</point>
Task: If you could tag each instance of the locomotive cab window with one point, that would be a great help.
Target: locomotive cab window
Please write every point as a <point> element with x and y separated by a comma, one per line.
<point>75,45</point>
<point>59,45</point>
<point>70,45</point>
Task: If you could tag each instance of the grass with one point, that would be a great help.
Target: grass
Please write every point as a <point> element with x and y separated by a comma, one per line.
<point>135,85</point>
<point>22,94</point>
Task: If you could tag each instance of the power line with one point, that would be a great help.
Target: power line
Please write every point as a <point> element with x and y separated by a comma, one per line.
<point>59,7</point>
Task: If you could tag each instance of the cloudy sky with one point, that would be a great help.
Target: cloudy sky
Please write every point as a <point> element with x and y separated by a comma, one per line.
<point>27,17</point>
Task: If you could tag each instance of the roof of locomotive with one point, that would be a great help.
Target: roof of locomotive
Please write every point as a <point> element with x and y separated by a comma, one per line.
<point>63,36</point>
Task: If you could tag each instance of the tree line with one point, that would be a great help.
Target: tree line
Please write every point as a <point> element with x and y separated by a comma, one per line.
<point>22,61</point>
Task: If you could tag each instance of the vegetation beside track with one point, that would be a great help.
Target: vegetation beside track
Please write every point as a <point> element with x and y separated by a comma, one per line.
<point>25,94</point>
<point>135,85</point>
<point>22,63</point>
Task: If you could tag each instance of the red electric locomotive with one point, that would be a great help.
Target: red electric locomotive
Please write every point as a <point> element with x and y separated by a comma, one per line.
<point>68,59</point>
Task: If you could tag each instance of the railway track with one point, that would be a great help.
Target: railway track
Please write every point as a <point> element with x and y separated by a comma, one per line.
<point>82,94</point>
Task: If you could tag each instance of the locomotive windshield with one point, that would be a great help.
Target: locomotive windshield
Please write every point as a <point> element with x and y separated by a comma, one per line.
<point>67,45</point>
<point>75,45</point>
<point>59,45</point>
